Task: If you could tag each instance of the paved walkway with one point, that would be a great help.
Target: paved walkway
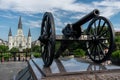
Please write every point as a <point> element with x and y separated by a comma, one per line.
<point>9,69</point>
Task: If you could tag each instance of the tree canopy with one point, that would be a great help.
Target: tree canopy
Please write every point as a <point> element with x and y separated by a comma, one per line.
<point>3,48</point>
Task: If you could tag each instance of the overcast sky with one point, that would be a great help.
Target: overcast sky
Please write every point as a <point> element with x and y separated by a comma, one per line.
<point>64,11</point>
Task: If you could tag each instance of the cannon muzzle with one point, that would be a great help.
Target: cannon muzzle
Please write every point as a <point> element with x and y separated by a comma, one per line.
<point>74,29</point>
<point>86,18</point>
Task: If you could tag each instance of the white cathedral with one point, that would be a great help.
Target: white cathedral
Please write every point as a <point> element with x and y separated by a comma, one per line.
<point>19,41</point>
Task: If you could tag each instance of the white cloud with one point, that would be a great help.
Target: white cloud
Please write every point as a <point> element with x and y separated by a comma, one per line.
<point>108,3</point>
<point>33,24</point>
<point>10,16</point>
<point>78,16</point>
<point>117,27</point>
<point>39,6</point>
<point>32,15</point>
<point>108,8</point>
<point>58,22</point>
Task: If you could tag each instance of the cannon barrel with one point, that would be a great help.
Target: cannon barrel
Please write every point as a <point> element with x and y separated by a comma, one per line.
<point>86,18</point>
<point>69,30</point>
<point>74,29</point>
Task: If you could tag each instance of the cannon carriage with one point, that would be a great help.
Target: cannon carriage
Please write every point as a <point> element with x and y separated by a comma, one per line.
<point>99,42</point>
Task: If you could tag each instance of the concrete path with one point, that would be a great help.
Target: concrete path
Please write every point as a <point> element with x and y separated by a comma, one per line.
<point>9,69</point>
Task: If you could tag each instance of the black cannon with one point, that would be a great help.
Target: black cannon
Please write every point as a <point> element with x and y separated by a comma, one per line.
<point>99,33</point>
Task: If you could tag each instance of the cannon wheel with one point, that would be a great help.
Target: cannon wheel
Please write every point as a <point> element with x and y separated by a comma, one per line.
<point>100,39</point>
<point>47,39</point>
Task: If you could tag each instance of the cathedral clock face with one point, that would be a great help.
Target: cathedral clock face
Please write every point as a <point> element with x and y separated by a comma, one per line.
<point>20,32</point>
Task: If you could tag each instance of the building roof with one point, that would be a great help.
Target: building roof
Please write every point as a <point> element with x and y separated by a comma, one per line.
<point>20,23</point>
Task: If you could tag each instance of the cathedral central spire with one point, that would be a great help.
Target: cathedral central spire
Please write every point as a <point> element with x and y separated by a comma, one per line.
<point>20,23</point>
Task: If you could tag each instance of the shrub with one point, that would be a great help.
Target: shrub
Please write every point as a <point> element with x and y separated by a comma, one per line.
<point>14,49</point>
<point>6,56</point>
<point>36,49</point>
<point>36,55</point>
<point>79,52</point>
<point>116,54</point>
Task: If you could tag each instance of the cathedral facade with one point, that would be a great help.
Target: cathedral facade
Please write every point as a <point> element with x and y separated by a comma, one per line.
<point>19,41</point>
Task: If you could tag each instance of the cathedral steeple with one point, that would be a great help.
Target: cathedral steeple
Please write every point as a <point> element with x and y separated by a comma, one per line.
<point>29,33</point>
<point>10,33</point>
<point>20,23</point>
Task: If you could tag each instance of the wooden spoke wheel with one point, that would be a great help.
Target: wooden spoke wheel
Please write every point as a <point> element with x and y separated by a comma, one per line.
<point>100,39</point>
<point>47,39</point>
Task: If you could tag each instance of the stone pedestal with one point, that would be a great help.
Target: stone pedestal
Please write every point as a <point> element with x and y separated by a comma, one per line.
<point>69,69</point>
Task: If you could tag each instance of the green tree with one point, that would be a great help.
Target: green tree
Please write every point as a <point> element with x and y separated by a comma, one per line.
<point>3,48</point>
<point>79,52</point>
<point>14,49</point>
<point>36,55</point>
<point>13,52</point>
<point>116,54</point>
<point>27,50</point>
<point>77,45</point>
<point>117,42</point>
<point>36,48</point>
<point>57,45</point>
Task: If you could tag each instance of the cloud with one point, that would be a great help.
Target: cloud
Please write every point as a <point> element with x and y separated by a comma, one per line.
<point>10,16</point>
<point>117,27</point>
<point>62,9</point>
<point>108,8</point>
<point>33,24</point>
<point>32,15</point>
<point>40,6</point>
<point>78,16</point>
<point>108,3</point>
